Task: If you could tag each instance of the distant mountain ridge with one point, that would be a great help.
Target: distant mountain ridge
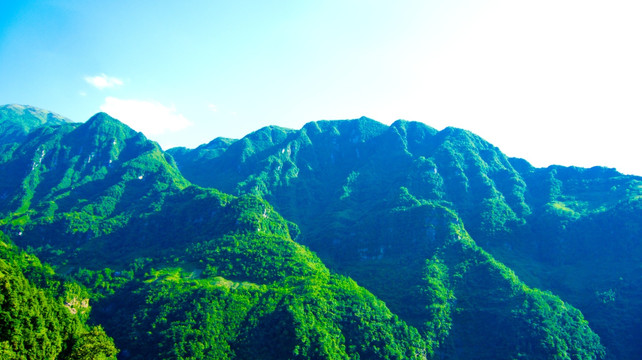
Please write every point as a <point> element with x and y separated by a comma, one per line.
<point>344,182</point>
<point>438,224</point>
<point>193,272</point>
<point>16,121</point>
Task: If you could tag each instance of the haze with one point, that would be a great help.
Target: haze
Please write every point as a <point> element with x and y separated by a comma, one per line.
<point>554,82</point>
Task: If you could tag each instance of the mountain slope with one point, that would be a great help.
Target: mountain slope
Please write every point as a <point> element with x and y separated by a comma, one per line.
<point>179,271</point>
<point>41,316</point>
<point>326,158</point>
<point>375,202</point>
<point>17,121</point>
<point>82,180</point>
<point>582,242</point>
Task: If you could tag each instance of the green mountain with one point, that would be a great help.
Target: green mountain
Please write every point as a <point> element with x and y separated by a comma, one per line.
<point>17,121</point>
<point>41,315</point>
<point>72,183</point>
<point>434,226</point>
<point>176,271</point>
<point>365,196</point>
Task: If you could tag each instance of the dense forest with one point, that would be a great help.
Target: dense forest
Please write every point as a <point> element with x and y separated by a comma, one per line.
<point>42,316</point>
<point>341,240</point>
<point>358,190</point>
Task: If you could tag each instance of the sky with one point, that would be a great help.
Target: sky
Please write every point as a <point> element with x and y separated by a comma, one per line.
<point>553,82</point>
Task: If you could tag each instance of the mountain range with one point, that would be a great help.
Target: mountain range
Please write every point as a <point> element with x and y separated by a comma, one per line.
<point>342,240</point>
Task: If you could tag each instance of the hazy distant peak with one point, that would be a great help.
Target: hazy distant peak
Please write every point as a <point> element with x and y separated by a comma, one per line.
<point>17,121</point>
<point>30,115</point>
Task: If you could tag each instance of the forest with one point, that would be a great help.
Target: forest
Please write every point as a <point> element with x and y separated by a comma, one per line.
<point>342,240</point>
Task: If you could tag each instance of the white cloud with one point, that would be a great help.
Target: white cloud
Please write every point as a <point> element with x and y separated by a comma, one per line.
<point>149,117</point>
<point>213,108</point>
<point>103,81</point>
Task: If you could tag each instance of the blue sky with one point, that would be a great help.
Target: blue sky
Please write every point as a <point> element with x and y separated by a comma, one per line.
<point>549,81</point>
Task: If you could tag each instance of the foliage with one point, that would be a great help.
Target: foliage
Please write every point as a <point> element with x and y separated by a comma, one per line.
<point>257,296</point>
<point>177,271</point>
<point>42,317</point>
<point>191,272</point>
<point>362,193</point>
<point>17,121</point>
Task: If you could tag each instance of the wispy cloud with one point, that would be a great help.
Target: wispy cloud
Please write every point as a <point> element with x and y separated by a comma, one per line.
<point>212,107</point>
<point>103,81</point>
<point>150,117</point>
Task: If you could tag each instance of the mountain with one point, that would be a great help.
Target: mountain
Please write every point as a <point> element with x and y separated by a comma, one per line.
<point>41,315</point>
<point>365,196</point>
<point>16,121</point>
<point>185,254</point>
<point>68,184</point>
<point>179,271</point>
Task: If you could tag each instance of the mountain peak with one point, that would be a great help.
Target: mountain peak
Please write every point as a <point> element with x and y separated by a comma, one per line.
<point>102,117</point>
<point>17,121</point>
<point>218,143</point>
<point>104,124</point>
<point>30,114</point>
<point>359,129</point>
<point>413,126</point>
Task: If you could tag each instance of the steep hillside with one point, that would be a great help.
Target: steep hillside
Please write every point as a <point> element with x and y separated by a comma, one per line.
<point>247,293</point>
<point>353,186</point>
<point>17,121</point>
<point>327,165</point>
<point>177,271</point>
<point>42,316</point>
<point>180,271</point>
<point>583,242</point>
<point>69,184</point>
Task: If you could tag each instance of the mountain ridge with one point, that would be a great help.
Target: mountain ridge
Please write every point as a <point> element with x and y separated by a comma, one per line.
<point>426,220</point>
<point>108,207</point>
<point>332,184</point>
<point>17,121</point>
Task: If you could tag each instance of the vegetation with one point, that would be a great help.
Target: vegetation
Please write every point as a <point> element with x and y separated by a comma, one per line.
<point>191,273</point>
<point>434,226</point>
<point>42,316</point>
<point>17,121</point>
<point>361,193</point>
<point>211,317</point>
